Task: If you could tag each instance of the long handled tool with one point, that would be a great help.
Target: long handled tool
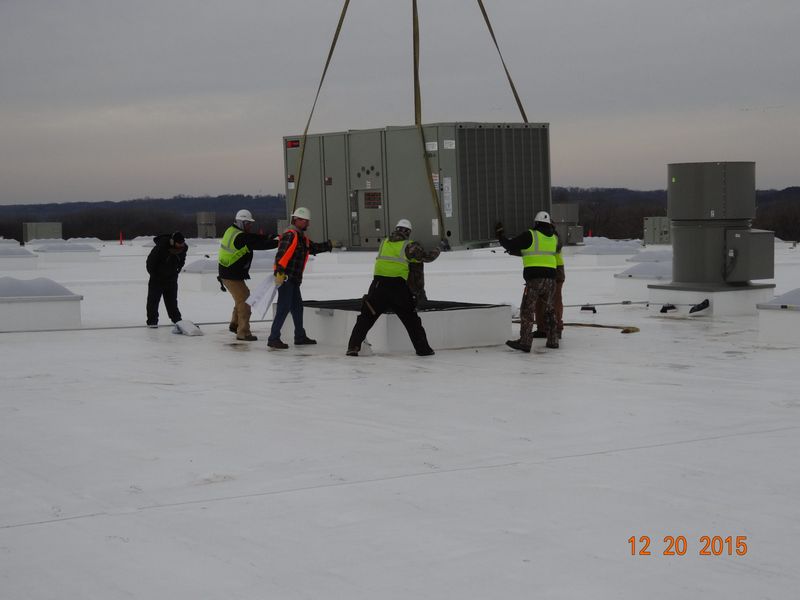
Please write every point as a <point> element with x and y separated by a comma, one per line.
<point>622,328</point>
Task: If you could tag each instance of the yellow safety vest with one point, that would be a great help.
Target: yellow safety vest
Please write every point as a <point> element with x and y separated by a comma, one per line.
<point>559,260</point>
<point>391,260</point>
<point>228,253</point>
<point>542,252</point>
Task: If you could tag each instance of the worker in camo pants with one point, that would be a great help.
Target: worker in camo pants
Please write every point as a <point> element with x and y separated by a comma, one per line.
<point>537,247</point>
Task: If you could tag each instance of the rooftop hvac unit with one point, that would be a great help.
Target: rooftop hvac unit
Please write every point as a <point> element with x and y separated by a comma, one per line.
<point>715,253</point>
<point>359,183</point>
<point>711,206</point>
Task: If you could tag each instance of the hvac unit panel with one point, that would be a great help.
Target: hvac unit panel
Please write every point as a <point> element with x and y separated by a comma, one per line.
<point>711,191</point>
<point>367,194</point>
<point>563,212</point>
<point>574,234</point>
<point>407,187</point>
<point>310,192</point>
<point>366,159</point>
<point>656,230</point>
<point>335,187</point>
<point>448,181</point>
<point>504,175</point>
<point>750,254</point>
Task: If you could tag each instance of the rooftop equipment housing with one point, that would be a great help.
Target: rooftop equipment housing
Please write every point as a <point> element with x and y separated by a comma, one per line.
<point>40,231</point>
<point>656,230</point>
<point>359,183</point>
<point>565,219</point>
<point>711,206</point>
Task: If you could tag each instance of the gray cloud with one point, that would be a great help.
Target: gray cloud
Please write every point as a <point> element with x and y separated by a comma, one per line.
<point>105,99</point>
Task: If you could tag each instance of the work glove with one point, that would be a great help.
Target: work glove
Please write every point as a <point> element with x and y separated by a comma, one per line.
<point>280,277</point>
<point>335,243</point>
<point>498,230</point>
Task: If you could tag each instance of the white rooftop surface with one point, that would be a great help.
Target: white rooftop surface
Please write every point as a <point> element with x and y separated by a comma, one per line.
<point>135,463</point>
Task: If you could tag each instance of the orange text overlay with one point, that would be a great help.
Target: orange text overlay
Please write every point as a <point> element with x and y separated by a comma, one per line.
<point>678,545</point>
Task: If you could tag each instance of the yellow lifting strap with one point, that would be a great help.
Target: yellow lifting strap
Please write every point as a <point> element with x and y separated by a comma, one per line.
<point>313,106</point>
<point>417,105</point>
<point>505,68</point>
<point>418,122</point>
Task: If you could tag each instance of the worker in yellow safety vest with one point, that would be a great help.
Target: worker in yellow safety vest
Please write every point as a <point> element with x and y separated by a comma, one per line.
<point>389,289</point>
<point>538,249</point>
<point>558,301</point>
<point>235,257</point>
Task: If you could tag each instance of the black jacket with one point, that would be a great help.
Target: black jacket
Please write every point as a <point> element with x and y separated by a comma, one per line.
<point>240,270</point>
<point>516,245</point>
<point>164,262</point>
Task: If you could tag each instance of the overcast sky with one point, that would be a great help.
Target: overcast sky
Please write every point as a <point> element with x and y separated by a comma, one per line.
<point>113,99</point>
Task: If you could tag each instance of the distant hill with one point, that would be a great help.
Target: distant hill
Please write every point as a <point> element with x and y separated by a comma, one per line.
<point>143,216</point>
<point>616,213</point>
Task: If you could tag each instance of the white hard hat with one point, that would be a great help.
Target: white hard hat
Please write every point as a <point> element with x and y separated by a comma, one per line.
<point>542,217</point>
<point>404,223</point>
<point>244,215</point>
<point>301,212</point>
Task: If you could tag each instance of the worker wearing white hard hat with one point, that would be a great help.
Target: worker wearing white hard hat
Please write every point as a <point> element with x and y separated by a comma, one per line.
<point>390,291</point>
<point>290,262</point>
<point>235,257</point>
<point>538,248</point>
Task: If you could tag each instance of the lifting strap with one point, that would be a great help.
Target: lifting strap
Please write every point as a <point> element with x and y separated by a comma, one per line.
<point>508,75</point>
<point>417,106</point>
<point>418,122</point>
<point>308,123</point>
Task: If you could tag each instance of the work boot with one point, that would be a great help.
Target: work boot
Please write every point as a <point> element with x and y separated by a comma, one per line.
<point>306,341</point>
<point>277,345</point>
<point>539,334</point>
<point>353,350</point>
<point>247,338</point>
<point>518,345</point>
<point>551,345</point>
<point>232,328</point>
<point>427,352</point>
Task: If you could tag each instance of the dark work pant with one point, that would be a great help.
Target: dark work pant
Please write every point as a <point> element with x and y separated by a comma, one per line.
<point>389,293</point>
<point>169,290</point>
<point>289,301</point>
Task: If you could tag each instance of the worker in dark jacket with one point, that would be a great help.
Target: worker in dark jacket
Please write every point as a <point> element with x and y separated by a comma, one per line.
<point>290,262</point>
<point>235,258</point>
<point>164,262</point>
<point>538,249</point>
<point>390,291</point>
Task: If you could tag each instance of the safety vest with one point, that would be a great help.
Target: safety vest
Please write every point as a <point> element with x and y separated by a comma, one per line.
<point>559,260</point>
<point>228,253</point>
<point>391,260</point>
<point>542,252</point>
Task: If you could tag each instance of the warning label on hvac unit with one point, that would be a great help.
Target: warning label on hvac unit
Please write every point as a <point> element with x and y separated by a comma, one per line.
<point>431,146</point>
<point>447,196</point>
<point>449,144</point>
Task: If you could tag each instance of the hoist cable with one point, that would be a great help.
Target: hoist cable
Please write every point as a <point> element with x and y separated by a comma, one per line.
<point>313,106</point>
<point>418,122</point>
<point>505,68</point>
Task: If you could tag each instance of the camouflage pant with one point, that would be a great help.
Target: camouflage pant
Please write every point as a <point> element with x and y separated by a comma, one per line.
<point>542,290</point>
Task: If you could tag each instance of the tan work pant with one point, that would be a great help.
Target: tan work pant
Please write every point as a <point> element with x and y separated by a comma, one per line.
<point>240,318</point>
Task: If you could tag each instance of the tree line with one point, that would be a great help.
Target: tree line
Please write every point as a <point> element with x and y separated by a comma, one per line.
<point>144,216</point>
<point>616,213</point>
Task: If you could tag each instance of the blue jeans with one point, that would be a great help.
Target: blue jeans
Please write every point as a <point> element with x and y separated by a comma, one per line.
<point>289,300</point>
